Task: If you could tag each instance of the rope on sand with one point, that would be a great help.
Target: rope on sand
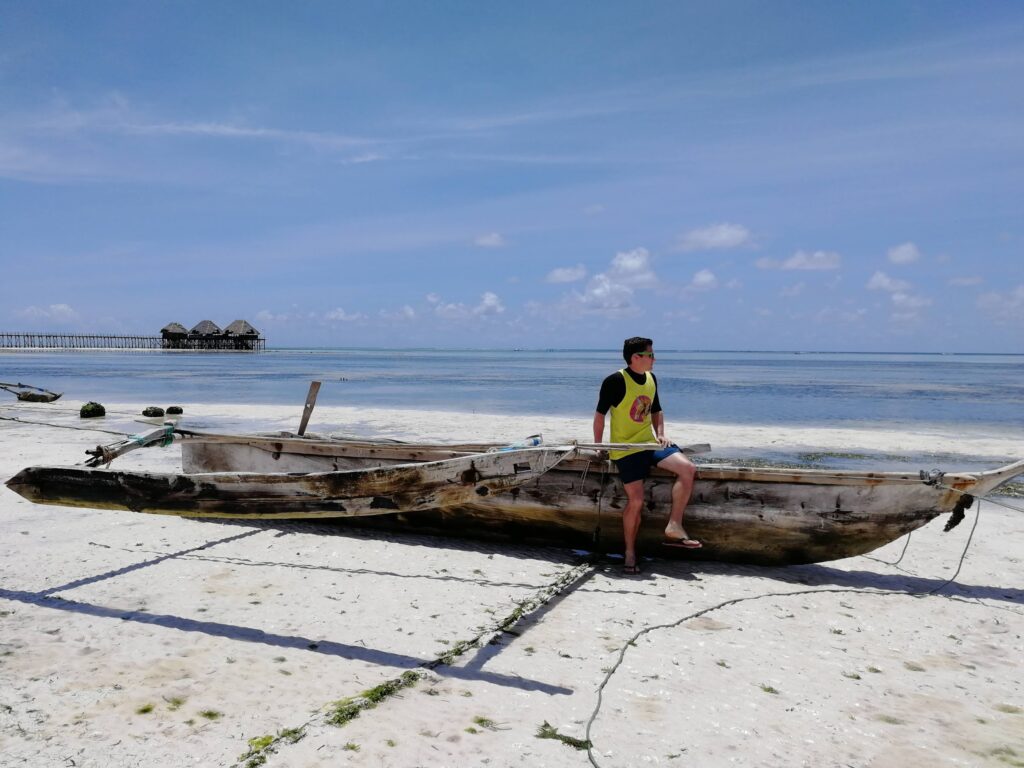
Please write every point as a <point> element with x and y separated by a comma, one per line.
<point>62,426</point>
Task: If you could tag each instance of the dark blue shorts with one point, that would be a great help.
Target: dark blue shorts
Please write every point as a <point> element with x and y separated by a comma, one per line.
<point>637,466</point>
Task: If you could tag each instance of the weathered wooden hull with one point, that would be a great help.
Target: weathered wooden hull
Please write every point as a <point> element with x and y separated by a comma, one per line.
<point>768,516</point>
<point>351,492</point>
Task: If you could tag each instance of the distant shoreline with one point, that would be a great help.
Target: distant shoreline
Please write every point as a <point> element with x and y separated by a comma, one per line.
<point>525,350</point>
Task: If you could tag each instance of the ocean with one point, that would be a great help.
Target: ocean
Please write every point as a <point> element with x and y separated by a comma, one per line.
<point>898,391</point>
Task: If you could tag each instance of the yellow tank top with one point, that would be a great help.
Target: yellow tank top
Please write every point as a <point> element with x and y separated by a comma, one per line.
<point>631,418</point>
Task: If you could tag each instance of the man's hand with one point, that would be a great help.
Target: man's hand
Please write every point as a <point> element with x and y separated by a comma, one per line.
<point>663,441</point>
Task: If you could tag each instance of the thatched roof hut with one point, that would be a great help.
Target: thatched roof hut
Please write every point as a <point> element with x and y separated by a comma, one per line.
<point>206,328</point>
<point>241,328</point>
<point>174,331</point>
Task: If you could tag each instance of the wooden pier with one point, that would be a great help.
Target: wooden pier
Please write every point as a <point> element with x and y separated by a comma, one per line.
<point>101,341</point>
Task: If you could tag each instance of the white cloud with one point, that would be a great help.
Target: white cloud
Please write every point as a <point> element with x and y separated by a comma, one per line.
<point>1004,307</point>
<point>566,274</point>
<point>340,315</point>
<point>907,253</point>
<point>882,282</point>
<point>905,303</point>
<point>490,304</point>
<point>608,293</point>
<point>604,294</point>
<point>816,260</point>
<point>490,240</point>
<point>633,269</point>
<point>266,316</point>
<point>53,313</point>
<point>366,157</point>
<point>908,301</point>
<point>963,282</point>
<point>402,313</point>
<point>717,237</point>
<point>433,298</point>
<point>594,210</point>
<point>704,280</point>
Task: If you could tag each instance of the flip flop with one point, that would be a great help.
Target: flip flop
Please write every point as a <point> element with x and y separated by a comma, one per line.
<point>684,543</point>
<point>631,570</point>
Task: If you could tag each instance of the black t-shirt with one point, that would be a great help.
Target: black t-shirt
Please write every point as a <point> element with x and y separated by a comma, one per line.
<point>613,389</point>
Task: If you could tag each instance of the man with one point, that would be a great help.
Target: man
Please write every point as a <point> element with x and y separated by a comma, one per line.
<point>632,396</point>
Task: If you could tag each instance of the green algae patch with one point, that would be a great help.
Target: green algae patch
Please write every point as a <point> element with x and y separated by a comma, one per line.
<point>346,710</point>
<point>548,731</point>
<point>261,747</point>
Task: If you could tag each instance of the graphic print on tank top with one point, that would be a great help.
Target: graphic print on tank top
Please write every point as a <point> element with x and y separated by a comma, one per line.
<point>640,409</point>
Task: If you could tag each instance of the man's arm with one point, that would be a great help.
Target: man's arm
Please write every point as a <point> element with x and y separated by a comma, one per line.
<point>598,426</point>
<point>658,422</point>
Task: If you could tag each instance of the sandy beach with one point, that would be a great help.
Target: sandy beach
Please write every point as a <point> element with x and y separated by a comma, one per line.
<point>138,640</point>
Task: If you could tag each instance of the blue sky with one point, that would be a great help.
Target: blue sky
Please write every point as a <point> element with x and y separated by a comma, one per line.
<point>736,175</point>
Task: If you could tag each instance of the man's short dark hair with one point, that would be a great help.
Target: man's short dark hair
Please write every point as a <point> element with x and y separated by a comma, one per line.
<point>636,344</point>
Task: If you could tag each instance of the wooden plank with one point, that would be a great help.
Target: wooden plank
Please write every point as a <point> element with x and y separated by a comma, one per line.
<point>307,411</point>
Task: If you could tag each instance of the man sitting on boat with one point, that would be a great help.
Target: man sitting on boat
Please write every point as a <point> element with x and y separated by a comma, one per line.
<point>631,394</point>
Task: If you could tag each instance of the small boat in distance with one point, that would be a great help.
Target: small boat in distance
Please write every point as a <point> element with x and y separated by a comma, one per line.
<point>29,394</point>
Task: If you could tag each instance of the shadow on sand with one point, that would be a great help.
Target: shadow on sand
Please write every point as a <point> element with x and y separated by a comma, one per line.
<point>472,669</point>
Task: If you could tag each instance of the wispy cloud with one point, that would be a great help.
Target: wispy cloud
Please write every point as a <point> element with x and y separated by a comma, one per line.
<point>266,316</point>
<point>834,315</point>
<point>339,315</point>
<point>403,313</point>
<point>907,253</point>
<point>51,313</point>
<point>115,114</point>
<point>964,282</point>
<point>882,282</point>
<point>490,240</point>
<point>566,274</point>
<point>490,304</point>
<point>703,280</point>
<point>1004,308</point>
<point>717,237</point>
<point>905,304</point>
<point>793,290</point>
<point>803,260</point>
<point>909,301</point>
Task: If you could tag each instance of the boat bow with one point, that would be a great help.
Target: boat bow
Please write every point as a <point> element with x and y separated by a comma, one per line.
<point>347,493</point>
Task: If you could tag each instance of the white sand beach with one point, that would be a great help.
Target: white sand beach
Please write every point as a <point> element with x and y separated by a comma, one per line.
<point>138,640</point>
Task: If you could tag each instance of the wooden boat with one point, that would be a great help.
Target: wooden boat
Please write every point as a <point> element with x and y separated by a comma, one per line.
<point>29,394</point>
<point>406,487</point>
<point>742,514</point>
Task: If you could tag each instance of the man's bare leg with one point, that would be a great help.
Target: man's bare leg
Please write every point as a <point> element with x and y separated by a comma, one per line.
<point>682,488</point>
<point>631,520</point>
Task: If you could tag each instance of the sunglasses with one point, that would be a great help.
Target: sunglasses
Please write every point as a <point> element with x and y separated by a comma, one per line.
<point>645,354</point>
